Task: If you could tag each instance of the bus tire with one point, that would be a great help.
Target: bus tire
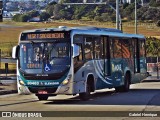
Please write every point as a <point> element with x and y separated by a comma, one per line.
<point>86,95</point>
<point>42,97</point>
<point>126,86</point>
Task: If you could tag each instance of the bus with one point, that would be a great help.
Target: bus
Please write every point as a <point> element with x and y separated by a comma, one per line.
<point>78,60</point>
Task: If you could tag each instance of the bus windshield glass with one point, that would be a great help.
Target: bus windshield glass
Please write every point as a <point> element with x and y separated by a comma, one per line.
<point>44,58</point>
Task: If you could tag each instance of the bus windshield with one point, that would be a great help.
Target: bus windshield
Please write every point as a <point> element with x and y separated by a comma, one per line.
<point>44,58</point>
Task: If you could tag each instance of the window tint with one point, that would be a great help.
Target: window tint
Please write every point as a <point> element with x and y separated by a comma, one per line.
<point>78,40</point>
<point>115,48</point>
<point>121,48</point>
<point>142,48</point>
<point>92,47</point>
<point>62,50</point>
<point>126,48</point>
<point>88,48</point>
<point>97,48</point>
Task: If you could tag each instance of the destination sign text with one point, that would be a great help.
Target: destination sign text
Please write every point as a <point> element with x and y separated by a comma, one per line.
<point>45,36</point>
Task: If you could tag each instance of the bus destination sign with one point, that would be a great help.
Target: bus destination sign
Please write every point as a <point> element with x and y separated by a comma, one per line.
<point>45,36</point>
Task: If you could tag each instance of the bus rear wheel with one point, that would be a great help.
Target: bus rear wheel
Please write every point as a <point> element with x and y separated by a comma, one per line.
<point>86,95</point>
<point>126,86</point>
<point>42,97</point>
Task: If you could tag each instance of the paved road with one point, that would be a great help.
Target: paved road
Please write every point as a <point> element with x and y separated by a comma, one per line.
<point>142,97</point>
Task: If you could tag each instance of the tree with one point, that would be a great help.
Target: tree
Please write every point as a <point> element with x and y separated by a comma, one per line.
<point>24,18</point>
<point>90,15</point>
<point>56,11</point>
<point>80,11</point>
<point>106,17</point>
<point>49,9</point>
<point>154,3</point>
<point>21,18</point>
<point>44,16</point>
<point>152,46</point>
<point>33,13</point>
<point>98,18</point>
<point>158,23</point>
<point>99,9</point>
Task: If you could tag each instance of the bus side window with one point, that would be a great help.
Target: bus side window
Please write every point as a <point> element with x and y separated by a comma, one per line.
<point>97,48</point>
<point>142,48</point>
<point>80,57</point>
<point>88,48</point>
<point>78,40</point>
<point>117,49</point>
<point>126,48</point>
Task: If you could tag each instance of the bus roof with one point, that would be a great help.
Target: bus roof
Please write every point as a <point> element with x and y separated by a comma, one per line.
<point>88,30</point>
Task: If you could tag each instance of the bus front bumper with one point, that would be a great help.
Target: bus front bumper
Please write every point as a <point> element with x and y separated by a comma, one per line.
<point>62,89</point>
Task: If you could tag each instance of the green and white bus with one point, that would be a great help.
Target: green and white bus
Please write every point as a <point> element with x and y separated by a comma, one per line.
<point>78,60</point>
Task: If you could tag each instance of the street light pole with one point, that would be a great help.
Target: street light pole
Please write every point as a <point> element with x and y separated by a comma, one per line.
<point>117,14</point>
<point>135,16</point>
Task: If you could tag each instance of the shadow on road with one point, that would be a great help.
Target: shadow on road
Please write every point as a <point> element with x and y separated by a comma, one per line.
<point>151,81</point>
<point>17,103</point>
<point>133,97</point>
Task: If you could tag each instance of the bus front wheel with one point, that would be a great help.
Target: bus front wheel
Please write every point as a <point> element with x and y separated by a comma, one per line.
<point>42,97</point>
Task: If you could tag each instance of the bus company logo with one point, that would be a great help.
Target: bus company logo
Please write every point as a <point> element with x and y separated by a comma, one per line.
<point>6,114</point>
<point>118,67</point>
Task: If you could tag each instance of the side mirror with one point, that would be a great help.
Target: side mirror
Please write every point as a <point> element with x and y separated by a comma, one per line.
<point>15,51</point>
<point>76,50</point>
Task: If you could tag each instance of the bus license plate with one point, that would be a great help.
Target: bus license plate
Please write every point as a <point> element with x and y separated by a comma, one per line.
<point>42,92</point>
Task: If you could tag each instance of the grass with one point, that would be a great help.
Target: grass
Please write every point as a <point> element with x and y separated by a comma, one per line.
<point>9,35</point>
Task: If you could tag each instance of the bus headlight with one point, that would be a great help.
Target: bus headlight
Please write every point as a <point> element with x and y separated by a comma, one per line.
<point>21,82</point>
<point>66,81</point>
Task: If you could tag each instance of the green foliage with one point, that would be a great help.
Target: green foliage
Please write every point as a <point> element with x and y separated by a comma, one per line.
<point>49,9</point>
<point>154,3</point>
<point>148,14</point>
<point>44,16</point>
<point>153,46</point>
<point>125,5</point>
<point>16,17</point>
<point>98,10</point>
<point>80,11</point>
<point>56,11</point>
<point>33,13</point>
<point>24,18</point>
<point>90,15</point>
<point>98,18</point>
<point>158,23</point>
<point>21,18</point>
